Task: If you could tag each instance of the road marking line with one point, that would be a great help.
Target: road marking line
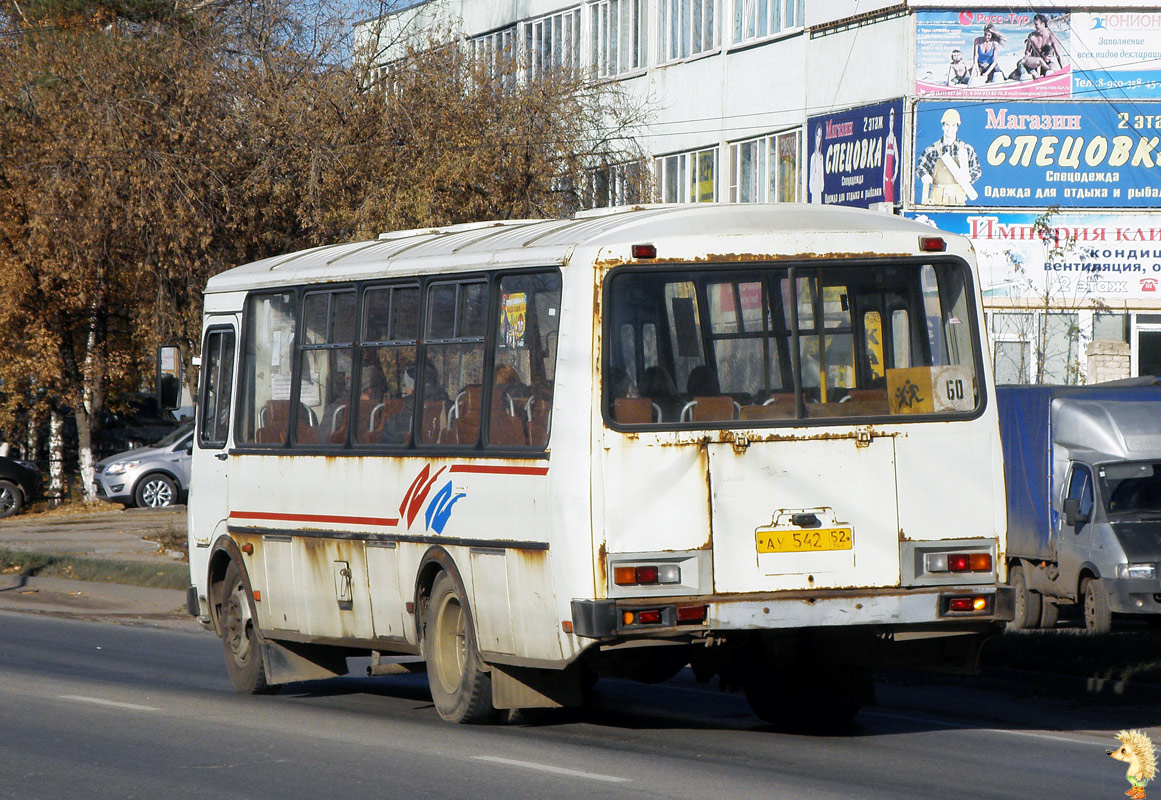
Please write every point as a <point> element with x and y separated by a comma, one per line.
<point>99,702</point>
<point>950,724</point>
<point>554,770</point>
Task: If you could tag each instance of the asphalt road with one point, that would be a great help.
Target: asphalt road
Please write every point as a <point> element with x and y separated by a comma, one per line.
<point>101,710</point>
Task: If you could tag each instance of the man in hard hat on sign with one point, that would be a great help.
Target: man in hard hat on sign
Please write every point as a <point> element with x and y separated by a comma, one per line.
<point>948,167</point>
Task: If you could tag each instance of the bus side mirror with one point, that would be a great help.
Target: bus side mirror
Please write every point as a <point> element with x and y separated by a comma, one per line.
<point>169,377</point>
<point>1072,514</point>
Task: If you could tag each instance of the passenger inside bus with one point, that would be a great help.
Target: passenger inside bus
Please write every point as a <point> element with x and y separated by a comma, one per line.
<point>397,426</point>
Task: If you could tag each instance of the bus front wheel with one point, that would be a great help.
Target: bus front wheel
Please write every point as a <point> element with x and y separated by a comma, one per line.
<point>243,650</point>
<point>460,689</point>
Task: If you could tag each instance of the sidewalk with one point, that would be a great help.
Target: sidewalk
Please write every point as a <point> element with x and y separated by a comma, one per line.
<point>114,535</point>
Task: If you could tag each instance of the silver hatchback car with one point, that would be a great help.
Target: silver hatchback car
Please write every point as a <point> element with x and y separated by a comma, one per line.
<point>150,477</point>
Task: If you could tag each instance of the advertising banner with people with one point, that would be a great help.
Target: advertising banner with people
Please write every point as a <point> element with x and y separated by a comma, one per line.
<point>987,54</point>
<point>855,156</point>
<point>1037,52</point>
<point>1070,258</point>
<point>1035,155</point>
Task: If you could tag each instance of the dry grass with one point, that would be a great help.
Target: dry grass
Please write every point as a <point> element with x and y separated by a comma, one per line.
<point>70,508</point>
<point>158,575</point>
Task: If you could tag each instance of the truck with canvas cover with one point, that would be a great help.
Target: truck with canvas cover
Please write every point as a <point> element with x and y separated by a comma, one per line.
<point>1083,471</point>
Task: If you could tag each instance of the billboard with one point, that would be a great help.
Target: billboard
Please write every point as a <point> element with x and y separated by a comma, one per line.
<point>1038,154</point>
<point>989,54</point>
<point>1066,258</point>
<point>855,156</point>
<point>1116,54</point>
<point>1038,52</point>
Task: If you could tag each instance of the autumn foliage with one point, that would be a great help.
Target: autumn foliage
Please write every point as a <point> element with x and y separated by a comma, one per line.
<point>145,146</point>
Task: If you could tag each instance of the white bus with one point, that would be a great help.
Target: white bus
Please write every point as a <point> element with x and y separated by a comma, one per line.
<point>757,440</point>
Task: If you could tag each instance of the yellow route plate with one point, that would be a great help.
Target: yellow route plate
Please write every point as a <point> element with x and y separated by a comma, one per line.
<point>804,541</point>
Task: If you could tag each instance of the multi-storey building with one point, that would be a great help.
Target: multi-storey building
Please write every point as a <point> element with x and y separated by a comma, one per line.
<point>1033,128</point>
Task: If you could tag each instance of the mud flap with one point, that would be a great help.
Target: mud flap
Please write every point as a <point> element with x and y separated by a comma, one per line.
<point>527,687</point>
<point>287,663</point>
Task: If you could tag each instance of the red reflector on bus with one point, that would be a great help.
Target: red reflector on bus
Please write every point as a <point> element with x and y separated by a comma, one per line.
<point>651,617</point>
<point>958,562</point>
<point>647,575</point>
<point>644,251</point>
<point>691,613</point>
<point>932,244</point>
<point>257,596</point>
<point>959,604</point>
<point>981,562</point>
<point>566,625</point>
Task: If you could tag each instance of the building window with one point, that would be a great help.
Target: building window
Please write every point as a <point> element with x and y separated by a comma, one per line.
<point>553,42</point>
<point>767,169</point>
<point>495,49</point>
<point>688,177</point>
<point>688,27</point>
<point>619,40</point>
<point>1037,347</point>
<point>617,185</point>
<point>755,19</point>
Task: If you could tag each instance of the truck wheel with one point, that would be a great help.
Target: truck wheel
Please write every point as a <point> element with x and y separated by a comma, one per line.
<point>1027,606</point>
<point>1097,616</point>
<point>1049,613</point>
<point>460,689</point>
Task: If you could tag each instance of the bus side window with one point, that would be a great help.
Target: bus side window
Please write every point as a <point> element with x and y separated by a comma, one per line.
<point>265,378</point>
<point>325,375</point>
<point>218,373</point>
<point>451,390</point>
<point>387,366</point>
<point>525,360</point>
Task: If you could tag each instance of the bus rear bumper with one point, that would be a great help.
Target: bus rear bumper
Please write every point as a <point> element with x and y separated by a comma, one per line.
<point>608,619</point>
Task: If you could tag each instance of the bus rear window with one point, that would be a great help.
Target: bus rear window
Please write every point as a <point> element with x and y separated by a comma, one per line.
<point>789,343</point>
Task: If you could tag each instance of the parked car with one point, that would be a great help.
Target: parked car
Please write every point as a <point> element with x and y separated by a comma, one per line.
<point>19,483</point>
<point>150,477</point>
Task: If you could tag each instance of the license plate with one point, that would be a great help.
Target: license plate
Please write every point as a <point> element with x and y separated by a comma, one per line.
<point>804,541</point>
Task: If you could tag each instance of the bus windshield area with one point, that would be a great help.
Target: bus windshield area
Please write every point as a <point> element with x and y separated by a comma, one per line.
<point>737,347</point>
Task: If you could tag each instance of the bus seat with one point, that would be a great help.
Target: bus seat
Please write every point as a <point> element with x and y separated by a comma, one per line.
<point>538,410</point>
<point>431,421</point>
<point>780,399</point>
<point>866,395</point>
<point>767,411</point>
<point>635,410</point>
<point>504,427</point>
<point>709,409</point>
<point>270,434</point>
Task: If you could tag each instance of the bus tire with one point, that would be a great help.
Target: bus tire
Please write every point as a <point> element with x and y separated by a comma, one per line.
<point>240,637</point>
<point>1098,617</point>
<point>460,689</point>
<point>1028,604</point>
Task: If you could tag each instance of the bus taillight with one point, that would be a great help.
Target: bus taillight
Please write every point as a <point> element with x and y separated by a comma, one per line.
<point>646,574</point>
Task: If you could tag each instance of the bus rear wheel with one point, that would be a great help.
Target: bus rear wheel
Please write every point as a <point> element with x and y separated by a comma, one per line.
<point>240,637</point>
<point>460,689</point>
